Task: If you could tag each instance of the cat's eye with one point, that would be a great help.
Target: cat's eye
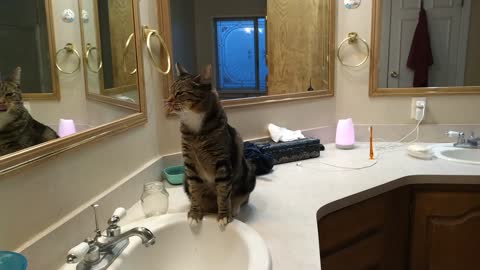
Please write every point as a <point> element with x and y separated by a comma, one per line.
<point>9,94</point>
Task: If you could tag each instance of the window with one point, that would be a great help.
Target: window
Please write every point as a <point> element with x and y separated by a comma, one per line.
<point>240,45</point>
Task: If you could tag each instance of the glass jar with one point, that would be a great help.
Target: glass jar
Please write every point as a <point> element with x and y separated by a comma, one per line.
<point>154,199</point>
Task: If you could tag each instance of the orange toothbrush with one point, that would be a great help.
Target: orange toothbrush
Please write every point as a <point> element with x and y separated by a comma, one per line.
<point>371,142</point>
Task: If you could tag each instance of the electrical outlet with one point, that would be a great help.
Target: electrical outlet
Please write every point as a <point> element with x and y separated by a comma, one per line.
<point>413,110</point>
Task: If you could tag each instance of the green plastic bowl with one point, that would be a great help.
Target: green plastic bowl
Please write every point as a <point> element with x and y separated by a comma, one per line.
<point>174,174</point>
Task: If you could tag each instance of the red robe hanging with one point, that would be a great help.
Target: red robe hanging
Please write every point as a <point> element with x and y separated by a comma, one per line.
<point>420,58</point>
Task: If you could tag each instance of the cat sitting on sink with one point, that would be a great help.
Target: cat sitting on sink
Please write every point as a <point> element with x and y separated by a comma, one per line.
<point>218,178</point>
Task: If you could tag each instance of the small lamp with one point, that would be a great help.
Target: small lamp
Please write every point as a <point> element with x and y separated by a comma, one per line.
<point>345,138</point>
<point>66,127</point>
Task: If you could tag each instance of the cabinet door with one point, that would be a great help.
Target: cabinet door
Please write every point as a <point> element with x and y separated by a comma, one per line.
<point>446,231</point>
<point>371,234</point>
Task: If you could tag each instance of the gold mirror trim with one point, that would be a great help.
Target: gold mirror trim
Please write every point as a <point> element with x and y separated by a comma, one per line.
<point>165,26</point>
<point>31,156</point>
<point>55,94</point>
<point>375,91</point>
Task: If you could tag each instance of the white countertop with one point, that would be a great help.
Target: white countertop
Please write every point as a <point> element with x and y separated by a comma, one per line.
<point>284,204</point>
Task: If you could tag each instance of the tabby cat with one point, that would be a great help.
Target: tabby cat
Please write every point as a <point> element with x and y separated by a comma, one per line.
<point>18,130</point>
<point>218,179</point>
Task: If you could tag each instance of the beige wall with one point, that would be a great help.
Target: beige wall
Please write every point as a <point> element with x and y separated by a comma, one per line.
<point>351,91</point>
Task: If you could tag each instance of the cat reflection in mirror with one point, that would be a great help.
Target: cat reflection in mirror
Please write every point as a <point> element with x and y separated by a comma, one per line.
<point>218,178</point>
<point>18,130</point>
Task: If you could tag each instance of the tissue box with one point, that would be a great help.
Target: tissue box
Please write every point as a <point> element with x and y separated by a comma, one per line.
<point>283,152</point>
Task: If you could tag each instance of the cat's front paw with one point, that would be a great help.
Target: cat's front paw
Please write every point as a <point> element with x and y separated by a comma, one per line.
<point>194,217</point>
<point>223,220</point>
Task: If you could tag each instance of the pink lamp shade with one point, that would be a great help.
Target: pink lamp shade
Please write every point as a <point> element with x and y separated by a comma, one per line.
<point>345,138</point>
<point>66,127</point>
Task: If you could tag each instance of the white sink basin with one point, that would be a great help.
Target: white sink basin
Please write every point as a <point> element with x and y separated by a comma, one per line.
<point>178,247</point>
<point>469,156</point>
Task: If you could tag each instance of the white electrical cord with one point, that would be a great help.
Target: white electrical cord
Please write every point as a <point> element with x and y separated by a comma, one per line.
<point>393,146</point>
<point>373,163</point>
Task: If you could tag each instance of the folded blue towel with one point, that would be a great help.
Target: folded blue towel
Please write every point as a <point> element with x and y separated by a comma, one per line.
<point>263,161</point>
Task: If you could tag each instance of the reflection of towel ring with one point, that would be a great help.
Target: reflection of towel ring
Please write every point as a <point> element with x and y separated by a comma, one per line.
<point>70,50</point>
<point>352,39</point>
<point>147,35</point>
<point>125,53</point>
<point>91,48</point>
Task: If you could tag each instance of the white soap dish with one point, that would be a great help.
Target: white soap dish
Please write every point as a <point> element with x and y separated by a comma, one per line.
<point>420,151</point>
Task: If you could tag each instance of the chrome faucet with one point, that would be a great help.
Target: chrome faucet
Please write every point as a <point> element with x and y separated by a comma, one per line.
<point>100,252</point>
<point>472,142</point>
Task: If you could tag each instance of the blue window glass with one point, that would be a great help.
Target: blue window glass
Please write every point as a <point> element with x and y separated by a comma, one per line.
<point>241,54</point>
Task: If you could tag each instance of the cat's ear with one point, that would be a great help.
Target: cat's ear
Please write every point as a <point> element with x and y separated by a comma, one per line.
<point>16,76</point>
<point>205,78</point>
<point>180,70</point>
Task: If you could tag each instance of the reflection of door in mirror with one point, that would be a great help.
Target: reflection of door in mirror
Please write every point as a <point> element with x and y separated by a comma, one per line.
<point>453,38</point>
<point>237,39</point>
<point>26,41</point>
<point>109,50</point>
<point>298,42</point>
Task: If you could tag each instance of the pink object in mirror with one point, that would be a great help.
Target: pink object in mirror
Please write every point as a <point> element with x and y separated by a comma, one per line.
<point>345,137</point>
<point>66,127</point>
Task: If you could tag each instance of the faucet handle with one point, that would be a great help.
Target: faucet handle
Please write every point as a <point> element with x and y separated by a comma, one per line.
<point>118,214</point>
<point>77,253</point>
<point>453,134</point>
<point>98,233</point>
<point>113,229</point>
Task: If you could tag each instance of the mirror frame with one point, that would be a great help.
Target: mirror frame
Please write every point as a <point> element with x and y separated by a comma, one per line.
<point>102,97</point>
<point>55,94</point>
<point>164,22</point>
<point>374,90</point>
<point>30,156</point>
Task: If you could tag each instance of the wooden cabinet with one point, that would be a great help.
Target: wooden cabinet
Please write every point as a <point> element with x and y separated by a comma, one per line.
<point>417,227</point>
<point>445,231</point>
<point>368,235</point>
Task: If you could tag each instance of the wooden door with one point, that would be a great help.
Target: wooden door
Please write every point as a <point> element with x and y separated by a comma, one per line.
<point>297,45</point>
<point>448,26</point>
<point>446,231</point>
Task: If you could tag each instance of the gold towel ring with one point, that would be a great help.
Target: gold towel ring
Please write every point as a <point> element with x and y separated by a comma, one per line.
<point>352,39</point>
<point>125,53</point>
<point>70,50</point>
<point>147,35</point>
<point>91,48</point>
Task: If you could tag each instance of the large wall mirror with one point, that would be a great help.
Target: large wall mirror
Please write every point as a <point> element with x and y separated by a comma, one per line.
<point>425,47</point>
<point>27,40</point>
<point>37,129</point>
<point>260,50</point>
<point>109,60</point>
